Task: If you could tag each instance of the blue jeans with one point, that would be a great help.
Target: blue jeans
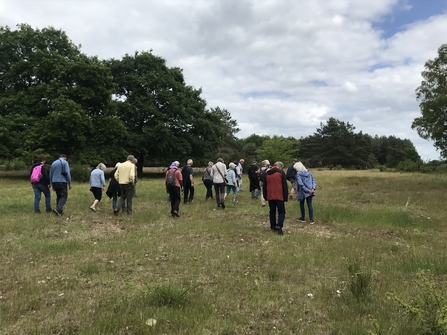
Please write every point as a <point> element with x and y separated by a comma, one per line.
<point>255,193</point>
<point>115,199</point>
<point>309,207</point>
<point>38,190</point>
<point>277,205</point>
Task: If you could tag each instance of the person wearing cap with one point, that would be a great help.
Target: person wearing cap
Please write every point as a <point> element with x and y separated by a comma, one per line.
<point>174,190</point>
<point>275,191</point>
<point>60,179</point>
<point>253,176</point>
<point>265,166</point>
<point>97,184</point>
<point>125,175</point>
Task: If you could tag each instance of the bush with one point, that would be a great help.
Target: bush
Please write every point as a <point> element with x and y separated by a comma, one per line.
<point>80,173</point>
<point>441,168</point>
<point>359,281</point>
<point>15,165</point>
<point>382,168</point>
<point>408,166</point>
<point>428,308</point>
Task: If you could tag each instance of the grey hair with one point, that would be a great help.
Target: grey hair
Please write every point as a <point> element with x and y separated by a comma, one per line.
<point>101,166</point>
<point>299,167</point>
<point>210,164</point>
<point>279,164</point>
<point>130,158</point>
<point>189,161</point>
<point>220,160</point>
<point>265,162</point>
<point>117,164</point>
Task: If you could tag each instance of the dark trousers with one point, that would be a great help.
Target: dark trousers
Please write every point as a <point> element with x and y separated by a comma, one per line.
<point>61,190</point>
<point>277,205</point>
<point>174,197</point>
<point>127,193</point>
<point>219,190</point>
<point>188,192</point>
<point>209,188</point>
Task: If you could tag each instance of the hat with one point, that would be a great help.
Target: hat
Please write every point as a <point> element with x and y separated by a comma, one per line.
<point>62,156</point>
<point>174,165</point>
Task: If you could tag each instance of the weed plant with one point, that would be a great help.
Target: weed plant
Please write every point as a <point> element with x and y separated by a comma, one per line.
<point>215,271</point>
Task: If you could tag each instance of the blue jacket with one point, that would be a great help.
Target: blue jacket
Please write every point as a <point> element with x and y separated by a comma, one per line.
<point>306,182</point>
<point>56,172</point>
<point>97,178</point>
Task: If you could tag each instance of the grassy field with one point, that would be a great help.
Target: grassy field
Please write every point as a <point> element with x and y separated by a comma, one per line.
<point>215,271</point>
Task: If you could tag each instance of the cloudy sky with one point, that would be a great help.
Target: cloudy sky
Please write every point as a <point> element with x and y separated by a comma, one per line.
<point>280,67</point>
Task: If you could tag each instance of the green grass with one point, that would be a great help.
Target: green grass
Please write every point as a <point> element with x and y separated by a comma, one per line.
<point>215,271</point>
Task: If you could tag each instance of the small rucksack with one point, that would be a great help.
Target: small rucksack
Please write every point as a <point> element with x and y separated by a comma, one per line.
<point>170,180</point>
<point>36,174</point>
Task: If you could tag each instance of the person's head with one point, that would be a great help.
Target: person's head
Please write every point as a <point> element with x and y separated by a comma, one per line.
<point>41,158</point>
<point>117,164</point>
<point>189,162</point>
<point>135,161</point>
<point>130,158</point>
<point>63,156</point>
<point>279,165</point>
<point>254,163</point>
<point>174,165</point>
<point>295,160</point>
<point>231,165</point>
<point>210,164</point>
<point>101,166</point>
<point>220,160</point>
<point>265,162</point>
<point>242,161</point>
<point>298,166</point>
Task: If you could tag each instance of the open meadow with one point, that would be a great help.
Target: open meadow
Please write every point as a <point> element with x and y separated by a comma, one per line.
<point>215,271</point>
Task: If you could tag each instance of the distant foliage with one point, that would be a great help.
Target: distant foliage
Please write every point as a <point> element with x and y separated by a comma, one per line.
<point>15,165</point>
<point>80,173</point>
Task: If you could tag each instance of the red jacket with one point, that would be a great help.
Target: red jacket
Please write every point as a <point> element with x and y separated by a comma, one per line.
<point>275,185</point>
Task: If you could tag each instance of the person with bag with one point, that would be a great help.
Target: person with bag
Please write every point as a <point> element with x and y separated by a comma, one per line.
<point>218,172</point>
<point>60,179</point>
<point>40,184</point>
<point>231,182</point>
<point>208,181</point>
<point>174,183</point>
<point>306,186</point>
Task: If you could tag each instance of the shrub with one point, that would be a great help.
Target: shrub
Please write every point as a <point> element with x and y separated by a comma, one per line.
<point>15,164</point>
<point>408,166</point>
<point>428,308</point>
<point>359,281</point>
<point>441,168</point>
<point>80,173</point>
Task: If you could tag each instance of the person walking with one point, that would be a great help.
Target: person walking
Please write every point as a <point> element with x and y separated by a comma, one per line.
<point>276,192</point>
<point>97,184</point>
<point>239,173</point>
<point>253,176</point>
<point>113,190</point>
<point>60,179</point>
<point>218,172</point>
<point>188,182</point>
<point>305,191</point>
<point>231,182</point>
<point>174,183</point>
<point>265,166</point>
<point>125,175</point>
<point>208,181</point>
<point>41,185</point>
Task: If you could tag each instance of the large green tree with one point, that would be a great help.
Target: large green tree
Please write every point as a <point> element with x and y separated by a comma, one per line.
<point>50,93</point>
<point>166,119</point>
<point>432,97</point>
<point>279,148</point>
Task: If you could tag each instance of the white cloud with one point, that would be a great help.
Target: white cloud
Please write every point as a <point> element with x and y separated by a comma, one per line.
<point>279,67</point>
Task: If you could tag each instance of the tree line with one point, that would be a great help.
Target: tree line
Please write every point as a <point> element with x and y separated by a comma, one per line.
<point>55,99</point>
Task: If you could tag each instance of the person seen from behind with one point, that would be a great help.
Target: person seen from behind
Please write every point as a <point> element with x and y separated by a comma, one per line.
<point>60,179</point>
<point>174,183</point>
<point>218,172</point>
<point>232,182</point>
<point>97,184</point>
<point>125,175</point>
<point>265,166</point>
<point>253,176</point>
<point>43,185</point>
<point>113,190</point>
<point>291,177</point>
<point>208,181</point>
<point>239,173</point>
<point>188,182</point>
<point>305,191</point>
<point>276,192</point>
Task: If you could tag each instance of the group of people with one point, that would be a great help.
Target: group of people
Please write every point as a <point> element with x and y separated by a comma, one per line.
<point>268,182</point>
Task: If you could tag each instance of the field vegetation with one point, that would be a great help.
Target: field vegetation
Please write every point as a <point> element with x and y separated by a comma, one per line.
<point>375,261</point>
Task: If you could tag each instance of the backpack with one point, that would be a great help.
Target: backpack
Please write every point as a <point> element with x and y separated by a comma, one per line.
<point>36,174</point>
<point>170,180</point>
